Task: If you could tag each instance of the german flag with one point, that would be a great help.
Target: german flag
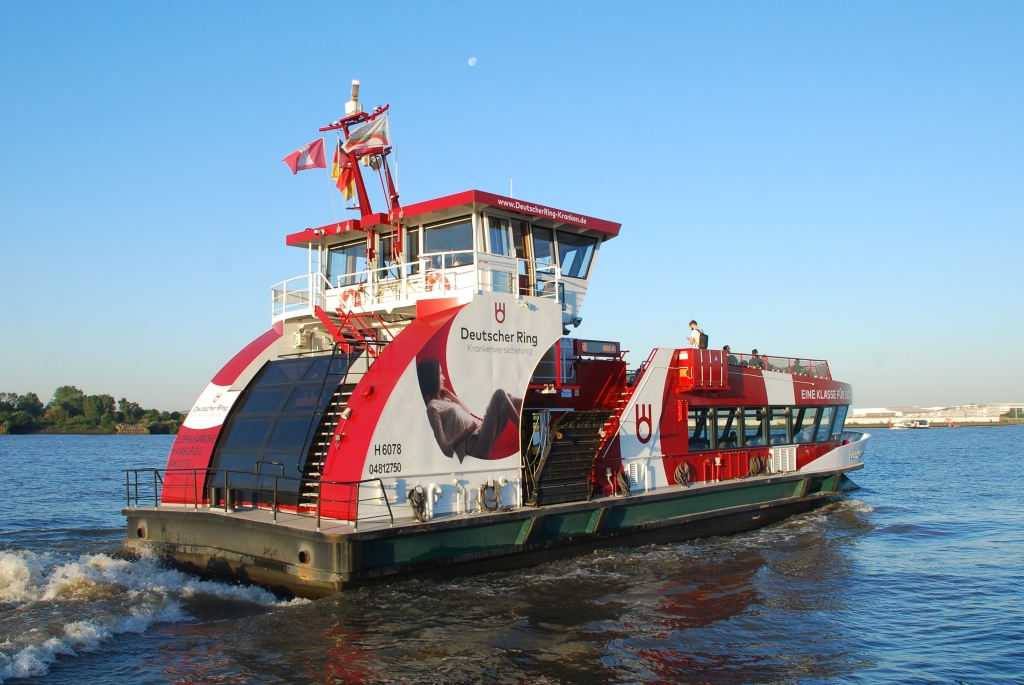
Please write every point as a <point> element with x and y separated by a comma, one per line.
<point>343,171</point>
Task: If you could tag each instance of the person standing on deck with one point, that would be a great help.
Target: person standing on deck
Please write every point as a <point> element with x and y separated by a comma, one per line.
<point>694,335</point>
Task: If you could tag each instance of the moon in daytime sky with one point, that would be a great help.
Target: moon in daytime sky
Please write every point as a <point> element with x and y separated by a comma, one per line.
<point>472,61</point>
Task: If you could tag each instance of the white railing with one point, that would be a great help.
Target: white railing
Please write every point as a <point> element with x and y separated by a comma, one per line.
<point>297,295</point>
<point>432,275</point>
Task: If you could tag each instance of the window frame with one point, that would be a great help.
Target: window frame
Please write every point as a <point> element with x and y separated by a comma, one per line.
<point>348,276</point>
<point>595,245</point>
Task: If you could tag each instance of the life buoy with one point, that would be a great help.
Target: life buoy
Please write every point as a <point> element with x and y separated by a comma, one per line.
<point>434,278</point>
<point>352,298</point>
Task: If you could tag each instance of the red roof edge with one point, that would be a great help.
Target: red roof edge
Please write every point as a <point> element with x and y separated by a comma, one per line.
<point>466,197</point>
<point>330,229</point>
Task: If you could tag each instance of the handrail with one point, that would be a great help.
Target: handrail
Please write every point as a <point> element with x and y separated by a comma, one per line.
<point>135,491</point>
<point>795,366</point>
<point>434,271</point>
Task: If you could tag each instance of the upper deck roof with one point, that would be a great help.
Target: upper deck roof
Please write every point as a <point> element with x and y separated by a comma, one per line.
<point>467,201</point>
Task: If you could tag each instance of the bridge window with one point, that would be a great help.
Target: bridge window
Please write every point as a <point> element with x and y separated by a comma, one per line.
<point>779,428</point>
<point>412,251</point>
<point>728,420</point>
<point>454,238</point>
<point>700,429</point>
<point>499,241</point>
<point>543,245</point>
<point>544,259</point>
<point>574,254</point>
<point>386,262</point>
<point>346,264</point>
<point>498,236</point>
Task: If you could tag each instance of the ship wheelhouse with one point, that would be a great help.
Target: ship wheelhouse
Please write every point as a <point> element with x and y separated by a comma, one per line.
<point>454,246</point>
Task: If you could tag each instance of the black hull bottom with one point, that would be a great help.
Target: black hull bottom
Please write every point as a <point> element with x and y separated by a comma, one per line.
<point>299,561</point>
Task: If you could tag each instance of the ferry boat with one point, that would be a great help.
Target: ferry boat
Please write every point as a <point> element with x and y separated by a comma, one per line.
<point>420,405</point>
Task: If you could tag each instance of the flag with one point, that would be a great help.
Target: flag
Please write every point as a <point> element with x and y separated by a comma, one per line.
<point>308,157</point>
<point>372,135</point>
<point>344,172</point>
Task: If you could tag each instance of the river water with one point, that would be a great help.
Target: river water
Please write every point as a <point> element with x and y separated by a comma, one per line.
<point>916,578</point>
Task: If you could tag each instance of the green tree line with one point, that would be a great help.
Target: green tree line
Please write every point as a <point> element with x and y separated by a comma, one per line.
<point>72,411</point>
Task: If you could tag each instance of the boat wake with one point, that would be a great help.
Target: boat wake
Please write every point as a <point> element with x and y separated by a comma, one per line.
<point>54,606</point>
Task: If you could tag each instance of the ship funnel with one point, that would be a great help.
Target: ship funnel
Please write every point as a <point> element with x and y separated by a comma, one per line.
<point>353,105</point>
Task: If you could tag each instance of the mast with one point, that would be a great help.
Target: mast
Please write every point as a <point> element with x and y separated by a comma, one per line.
<point>373,157</point>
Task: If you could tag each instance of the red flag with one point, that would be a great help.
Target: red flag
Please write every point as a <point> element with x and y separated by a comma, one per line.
<point>309,157</point>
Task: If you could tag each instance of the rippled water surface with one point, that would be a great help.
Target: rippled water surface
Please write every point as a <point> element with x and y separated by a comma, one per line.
<point>916,578</point>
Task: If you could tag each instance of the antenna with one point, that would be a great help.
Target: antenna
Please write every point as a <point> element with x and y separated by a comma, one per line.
<point>510,193</point>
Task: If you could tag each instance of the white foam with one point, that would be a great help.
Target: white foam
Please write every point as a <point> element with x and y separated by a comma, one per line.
<point>107,597</point>
<point>20,573</point>
<point>860,507</point>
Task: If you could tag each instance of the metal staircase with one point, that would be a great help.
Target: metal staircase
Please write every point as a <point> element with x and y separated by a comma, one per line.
<point>560,456</point>
<point>359,338</point>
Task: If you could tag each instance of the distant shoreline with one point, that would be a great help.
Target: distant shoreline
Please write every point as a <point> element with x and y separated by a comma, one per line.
<point>49,430</point>
<point>964,424</point>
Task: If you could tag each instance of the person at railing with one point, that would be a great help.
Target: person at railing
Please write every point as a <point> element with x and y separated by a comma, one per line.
<point>756,360</point>
<point>730,358</point>
<point>456,429</point>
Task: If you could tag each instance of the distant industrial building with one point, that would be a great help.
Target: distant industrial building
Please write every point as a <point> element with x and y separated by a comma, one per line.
<point>962,414</point>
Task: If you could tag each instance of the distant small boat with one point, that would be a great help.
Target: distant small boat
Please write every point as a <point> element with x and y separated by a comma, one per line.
<point>911,423</point>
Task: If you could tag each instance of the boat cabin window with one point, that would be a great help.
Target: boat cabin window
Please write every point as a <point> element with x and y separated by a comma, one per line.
<point>805,419</point>
<point>454,239</point>
<point>346,264</point>
<point>700,429</point>
<point>839,423</point>
<point>728,420</point>
<point>574,254</point>
<point>824,433</point>
<point>412,251</point>
<point>778,427</point>
<point>724,428</point>
<point>754,426</point>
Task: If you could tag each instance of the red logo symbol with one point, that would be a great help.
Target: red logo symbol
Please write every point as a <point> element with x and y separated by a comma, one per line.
<point>643,416</point>
<point>499,312</point>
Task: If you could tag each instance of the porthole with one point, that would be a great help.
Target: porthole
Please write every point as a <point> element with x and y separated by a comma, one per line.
<point>141,532</point>
<point>303,557</point>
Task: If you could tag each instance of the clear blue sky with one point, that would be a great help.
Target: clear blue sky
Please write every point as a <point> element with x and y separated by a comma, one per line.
<point>837,180</point>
